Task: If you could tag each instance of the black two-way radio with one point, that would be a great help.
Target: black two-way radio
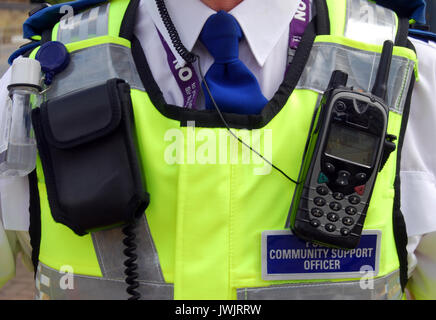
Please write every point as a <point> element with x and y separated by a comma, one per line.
<point>347,146</point>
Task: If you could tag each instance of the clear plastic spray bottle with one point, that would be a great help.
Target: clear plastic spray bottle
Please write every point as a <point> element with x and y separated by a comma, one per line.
<point>18,144</point>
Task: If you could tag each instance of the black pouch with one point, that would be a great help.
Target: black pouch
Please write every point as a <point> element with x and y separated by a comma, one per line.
<point>91,168</point>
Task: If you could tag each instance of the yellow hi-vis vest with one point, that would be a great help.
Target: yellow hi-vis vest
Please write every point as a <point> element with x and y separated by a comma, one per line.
<point>212,200</point>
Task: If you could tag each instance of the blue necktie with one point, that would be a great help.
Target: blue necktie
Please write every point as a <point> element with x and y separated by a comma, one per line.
<point>234,88</point>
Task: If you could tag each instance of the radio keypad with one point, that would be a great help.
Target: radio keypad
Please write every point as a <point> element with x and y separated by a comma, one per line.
<point>335,220</point>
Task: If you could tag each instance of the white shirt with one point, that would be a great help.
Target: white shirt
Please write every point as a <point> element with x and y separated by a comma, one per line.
<point>263,48</point>
<point>264,51</point>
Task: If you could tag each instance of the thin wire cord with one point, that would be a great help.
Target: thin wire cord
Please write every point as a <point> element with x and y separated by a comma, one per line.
<point>190,58</point>
<point>230,131</point>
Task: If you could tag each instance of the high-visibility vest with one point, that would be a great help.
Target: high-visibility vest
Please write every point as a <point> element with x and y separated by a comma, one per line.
<point>201,236</point>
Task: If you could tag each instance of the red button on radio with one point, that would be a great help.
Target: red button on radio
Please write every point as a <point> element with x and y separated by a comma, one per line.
<point>360,190</point>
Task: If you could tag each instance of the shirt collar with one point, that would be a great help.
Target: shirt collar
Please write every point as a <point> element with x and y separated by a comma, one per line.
<point>262,22</point>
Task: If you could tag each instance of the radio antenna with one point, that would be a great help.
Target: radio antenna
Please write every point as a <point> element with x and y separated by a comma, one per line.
<point>381,81</point>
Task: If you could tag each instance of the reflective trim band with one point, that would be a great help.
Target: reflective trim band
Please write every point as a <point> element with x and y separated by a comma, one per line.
<point>109,248</point>
<point>94,65</point>
<point>86,25</point>
<point>361,67</point>
<point>383,288</point>
<point>369,23</point>
<point>70,286</point>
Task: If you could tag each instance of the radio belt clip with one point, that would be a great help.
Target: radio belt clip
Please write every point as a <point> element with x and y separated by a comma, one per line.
<point>54,59</point>
<point>388,148</point>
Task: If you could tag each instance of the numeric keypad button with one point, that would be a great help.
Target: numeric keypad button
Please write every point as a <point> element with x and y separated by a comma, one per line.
<point>322,190</point>
<point>329,168</point>
<point>330,227</point>
<point>360,176</point>
<point>319,201</point>
<point>348,221</point>
<point>335,206</point>
<point>315,223</point>
<point>354,199</point>
<point>317,212</point>
<point>350,210</point>
<point>333,217</point>
<point>345,231</point>
<point>338,196</point>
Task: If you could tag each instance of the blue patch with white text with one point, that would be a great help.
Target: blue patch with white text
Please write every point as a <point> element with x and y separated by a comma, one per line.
<point>287,257</point>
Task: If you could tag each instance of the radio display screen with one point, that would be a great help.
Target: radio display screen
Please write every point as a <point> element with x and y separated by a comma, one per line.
<point>351,144</point>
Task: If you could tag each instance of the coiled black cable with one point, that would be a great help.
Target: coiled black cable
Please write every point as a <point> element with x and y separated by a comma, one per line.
<point>130,263</point>
<point>174,35</point>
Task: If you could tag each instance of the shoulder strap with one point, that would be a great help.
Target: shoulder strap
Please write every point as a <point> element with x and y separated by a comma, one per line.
<point>38,26</point>
<point>114,18</point>
<point>347,18</point>
<point>129,20</point>
<point>46,18</point>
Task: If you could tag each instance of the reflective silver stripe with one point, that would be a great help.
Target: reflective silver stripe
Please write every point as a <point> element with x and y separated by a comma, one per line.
<point>85,25</point>
<point>109,248</point>
<point>64,286</point>
<point>95,65</point>
<point>361,67</point>
<point>369,23</point>
<point>383,288</point>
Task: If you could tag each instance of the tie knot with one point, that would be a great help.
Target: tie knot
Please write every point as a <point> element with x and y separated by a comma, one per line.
<point>221,34</point>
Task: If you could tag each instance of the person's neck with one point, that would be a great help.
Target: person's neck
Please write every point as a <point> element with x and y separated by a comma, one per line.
<point>225,5</point>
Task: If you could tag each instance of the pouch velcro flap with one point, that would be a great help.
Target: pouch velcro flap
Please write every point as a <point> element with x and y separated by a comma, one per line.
<point>87,149</point>
<point>66,126</point>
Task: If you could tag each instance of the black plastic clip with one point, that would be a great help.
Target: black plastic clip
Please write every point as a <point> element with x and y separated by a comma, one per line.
<point>388,148</point>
